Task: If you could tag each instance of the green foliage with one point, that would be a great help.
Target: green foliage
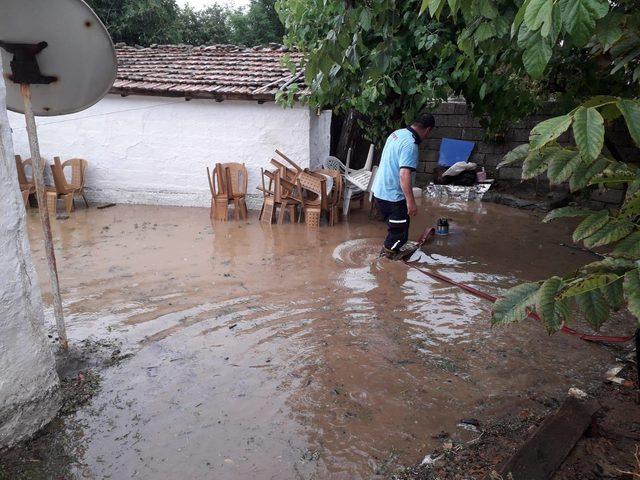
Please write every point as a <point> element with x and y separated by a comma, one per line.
<point>144,22</point>
<point>603,286</point>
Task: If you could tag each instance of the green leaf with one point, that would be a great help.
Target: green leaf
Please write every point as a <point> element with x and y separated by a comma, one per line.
<point>583,173</point>
<point>631,207</point>
<point>608,30</point>
<point>594,307</point>
<point>515,304</point>
<point>539,13</point>
<point>552,311</point>
<point>517,21</point>
<point>453,5</point>
<point>516,155</point>
<point>488,9</point>
<point>614,294</point>
<point>435,7</point>
<point>536,58</point>
<point>631,288</point>
<point>600,100</point>
<point>587,284</point>
<point>548,130</point>
<point>631,111</point>
<point>365,19</point>
<point>485,31</point>
<point>565,212</point>
<point>535,163</point>
<point>562,163</point>
<point>591,225</point>
<point>588,130</point>
<point>611,232</point>
<point>628,247</point>
<point>579,17</point>
<point>424,6</point>
<point>618,266</point>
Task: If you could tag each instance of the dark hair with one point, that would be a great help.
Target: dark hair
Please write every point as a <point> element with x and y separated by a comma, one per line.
<point>425,120</point>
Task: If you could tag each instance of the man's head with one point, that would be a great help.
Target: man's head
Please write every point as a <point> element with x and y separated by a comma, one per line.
<point>423,124</point>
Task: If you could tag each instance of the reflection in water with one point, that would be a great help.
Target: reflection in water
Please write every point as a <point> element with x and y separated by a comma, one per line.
<point>288,352</point>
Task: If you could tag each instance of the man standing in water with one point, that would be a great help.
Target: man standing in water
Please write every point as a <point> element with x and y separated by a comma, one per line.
<point>392,185</point>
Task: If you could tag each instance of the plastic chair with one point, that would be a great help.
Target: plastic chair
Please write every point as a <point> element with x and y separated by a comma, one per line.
<point>27,187</point>
<point>334,197</point>
<point>228,184</point>
<point>357,181</point>
<point>78,168</point>
<point>62,189</point>
<point>312,206</point>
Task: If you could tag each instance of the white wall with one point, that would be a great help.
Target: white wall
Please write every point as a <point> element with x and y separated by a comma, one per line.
<point>320,138</point>
<point>28,380</point>
<point>154,150</point>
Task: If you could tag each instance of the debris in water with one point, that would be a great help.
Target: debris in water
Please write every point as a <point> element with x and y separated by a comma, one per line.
<point>106,205</point>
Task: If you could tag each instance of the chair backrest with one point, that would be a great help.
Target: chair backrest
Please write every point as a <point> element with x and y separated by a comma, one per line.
<point>453,151</point>
<point>369,163</point>
<point>336,191</point>
<point>22,176</point>
<point>29,163</point>
<point>235,178</point>
<point>334,163</point>
<point>311,183</point>
<point>78,169</point>
<point>59,180</point>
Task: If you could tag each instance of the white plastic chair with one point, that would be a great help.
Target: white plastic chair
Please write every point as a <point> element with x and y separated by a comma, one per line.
<point>357,181</point>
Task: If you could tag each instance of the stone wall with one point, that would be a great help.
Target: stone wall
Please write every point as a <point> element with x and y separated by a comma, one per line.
<point>453,120</point>
<point>29,395</point>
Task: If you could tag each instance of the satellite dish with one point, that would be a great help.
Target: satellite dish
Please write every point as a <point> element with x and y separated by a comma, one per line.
<point>77,57</point>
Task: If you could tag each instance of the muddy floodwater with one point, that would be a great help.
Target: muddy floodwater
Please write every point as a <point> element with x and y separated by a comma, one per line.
<point>281,352</point>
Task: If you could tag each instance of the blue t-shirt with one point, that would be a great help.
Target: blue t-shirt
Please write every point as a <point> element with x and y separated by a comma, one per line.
<point>400,151</point>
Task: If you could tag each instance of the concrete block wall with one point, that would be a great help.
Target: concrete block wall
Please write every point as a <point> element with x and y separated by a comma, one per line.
<point>454,120</point>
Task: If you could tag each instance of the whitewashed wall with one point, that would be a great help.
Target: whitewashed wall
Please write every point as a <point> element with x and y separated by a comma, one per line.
<point>29,395</point>
<point>154,150</point>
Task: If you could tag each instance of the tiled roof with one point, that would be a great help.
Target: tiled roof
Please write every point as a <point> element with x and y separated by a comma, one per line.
<point>217,71</point>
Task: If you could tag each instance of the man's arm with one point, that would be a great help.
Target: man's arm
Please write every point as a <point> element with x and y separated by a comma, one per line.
<point>407,189</point>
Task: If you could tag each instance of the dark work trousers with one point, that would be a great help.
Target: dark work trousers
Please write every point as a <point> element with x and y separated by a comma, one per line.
<point>397,217</point>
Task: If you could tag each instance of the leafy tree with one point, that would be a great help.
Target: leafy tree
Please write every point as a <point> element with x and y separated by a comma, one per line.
<point>140,22</point>
<point>257,25</point>
<point>144,22</point>
<point>204,27</point>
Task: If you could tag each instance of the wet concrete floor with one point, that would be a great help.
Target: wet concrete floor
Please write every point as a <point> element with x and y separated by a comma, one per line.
<point>277,352</point>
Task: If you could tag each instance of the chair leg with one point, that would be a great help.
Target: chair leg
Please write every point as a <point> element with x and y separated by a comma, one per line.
<point>347,201</point>
<point>68,202</point>
<point>84,197</point>
<point>283,210</point>
<point>51,203</point>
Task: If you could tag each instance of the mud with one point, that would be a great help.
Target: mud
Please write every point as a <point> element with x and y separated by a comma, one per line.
<point>283,352</point>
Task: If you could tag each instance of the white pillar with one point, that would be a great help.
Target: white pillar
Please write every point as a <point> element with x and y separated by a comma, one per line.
<point>29,385</point>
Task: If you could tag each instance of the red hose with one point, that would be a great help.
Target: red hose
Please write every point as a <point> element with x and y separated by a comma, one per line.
<point>430,231</point>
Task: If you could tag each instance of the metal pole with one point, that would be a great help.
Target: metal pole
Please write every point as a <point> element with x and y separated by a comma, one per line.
<point>38,168</point>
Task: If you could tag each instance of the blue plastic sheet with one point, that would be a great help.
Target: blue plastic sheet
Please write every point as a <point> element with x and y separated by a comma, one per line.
<point>453,151</point>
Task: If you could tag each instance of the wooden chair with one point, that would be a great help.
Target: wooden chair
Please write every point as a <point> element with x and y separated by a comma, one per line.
<point>313,204</point>
<point>78,168</point>
<point>228,184</point>
<point>334,197</point>
<point>279,193</point>
<point>27,187</point>
<point>61,188</point>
